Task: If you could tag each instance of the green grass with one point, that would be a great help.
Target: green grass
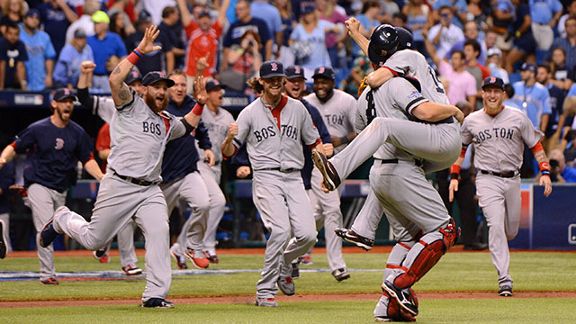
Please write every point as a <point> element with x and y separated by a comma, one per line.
<point>532,271</point>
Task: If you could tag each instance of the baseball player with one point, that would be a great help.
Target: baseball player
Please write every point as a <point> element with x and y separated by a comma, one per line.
<point>339,111</point>
<point>7,179</point>
<point>499,134</point>
<point>274,128</point>
<point>56,144</point>
<point>104,107</point>
<point>216,120</point>
<point>139,131</point>
<point>391,48</point>
<point>183,182</point>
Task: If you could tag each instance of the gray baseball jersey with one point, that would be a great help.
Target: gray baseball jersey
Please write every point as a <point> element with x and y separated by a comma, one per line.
<point>499,146</point>
<point>413,64</point>
<point>217,125</point>
<point>134,129</point>
<point>339,113</point>
<point>272,143</point>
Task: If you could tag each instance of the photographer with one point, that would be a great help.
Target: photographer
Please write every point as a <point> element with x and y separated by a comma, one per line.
<point>243,61</point>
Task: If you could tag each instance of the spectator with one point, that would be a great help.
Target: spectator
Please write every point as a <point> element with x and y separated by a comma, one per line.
<point>262,9</point>
<point>562,22</point>
<point>120,24</point>
<point>108,50</point>
<point>171,38</point>
<point>309,41</point>
<point>509,99</point>
<point>562,77</point>
<point>41,54</point>
<point>368,21</point>
<point>502,17</point>
<point>154,61</point>
<point>419,20</point>
<point>126,6</point>
<point>328,10</point>
<point>471,53</point>
<point>67,68</point>
<point>13,56</point>
<point>471,32</point>
<point>56,17</point>
<point>203,36</point>
<point>85,21</point>
<point>238,29</point>
<point>13,11</point>
<point>478,13</point>
<point>360,68</point>
<point>570,148</point>
<point>388,9</point>
<point>458,8</point>
<point>445,34</point>
<point>243,61</point>
<point>154,8</point>
<point>545,15</point>
<point>568,43</point>
<point>534,97</point>
<point>557,118</point>
<point>524,44</point>
<point>461,84</point>
<point>495,64</point>
<point>399,20</point>
<point>559,171</point>
<point>288,23</point>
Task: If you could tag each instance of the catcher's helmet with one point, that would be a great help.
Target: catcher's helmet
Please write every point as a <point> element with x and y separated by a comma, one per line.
<point>405,39</point>
<point>383,43</point>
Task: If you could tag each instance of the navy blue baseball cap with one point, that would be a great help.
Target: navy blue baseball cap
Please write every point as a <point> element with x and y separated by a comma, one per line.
<point>156,76</point>
<point>493,82</point>
<point>64,94</point>
<point>133,76</point>
<point>528,67</point>
<point>214,85</point>
<point>33,13</point>
<point>325,73</point>
<point>295,72</point>
<point>271,69</point>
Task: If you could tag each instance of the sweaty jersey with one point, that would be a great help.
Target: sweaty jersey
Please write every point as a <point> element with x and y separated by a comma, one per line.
<point>274,137</point>
<point>339,113</point>
<point>139,137</point>
<point>379,102</point>
<point>499,141</point>
<point>413,64</point>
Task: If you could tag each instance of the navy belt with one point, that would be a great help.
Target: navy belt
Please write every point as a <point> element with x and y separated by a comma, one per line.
<point>136,181</point>
<point>278,169</point>
<point>417,162</point>
<point>504,174</point>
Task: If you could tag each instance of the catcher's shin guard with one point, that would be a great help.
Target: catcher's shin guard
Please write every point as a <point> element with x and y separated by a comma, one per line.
<point>425,254</point>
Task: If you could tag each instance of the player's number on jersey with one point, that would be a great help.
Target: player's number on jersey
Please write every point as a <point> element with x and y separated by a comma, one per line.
<point>439,87</point>
<point>371,109</point>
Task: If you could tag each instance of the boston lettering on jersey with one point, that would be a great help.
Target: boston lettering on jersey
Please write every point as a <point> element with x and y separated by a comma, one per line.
<point>271,131</point>
<point>496,132</point>
<point>333,119</point>
<point>152,128</point>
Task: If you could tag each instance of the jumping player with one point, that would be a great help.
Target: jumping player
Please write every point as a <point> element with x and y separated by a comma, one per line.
<point>274,128</point>
<point>56,144</point>
<point>499,134</point>
<point>139,130</point>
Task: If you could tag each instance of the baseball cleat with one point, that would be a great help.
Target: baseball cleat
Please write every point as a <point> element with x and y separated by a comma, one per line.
<point>306,259</point>
<point>341,274</point>
<point>266,302</point>
<point>2,243</point>
<point>157,303</point>
<point>180,259</point>
<point>286,285</point>
<point>295,270</point>
<point>48,233</point>
<point>331,180</point>
<point>213,258</point>
<point>403,296</point>
<point>505,291</point>
<point>132,270</point>
<point>350,236</point>
<point>102,255</point>
<point>50,281</point>
<point>198,259</point>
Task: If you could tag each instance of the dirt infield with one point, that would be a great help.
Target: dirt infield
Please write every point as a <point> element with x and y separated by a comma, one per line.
<point>296,298</point>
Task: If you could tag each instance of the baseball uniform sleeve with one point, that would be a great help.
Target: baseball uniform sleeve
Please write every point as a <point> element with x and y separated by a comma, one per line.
<point>177,128</point>
<point>318,122</point>
<point>203,137</point>
<point>361,120</point>
<point>466,133</point>
<point>530,135</point>
<point>129,106</point>
<point>309,132</point>
<point>241,158</point>
<point>25,140</point>
<point>406,95</point>
<point>243,122</point>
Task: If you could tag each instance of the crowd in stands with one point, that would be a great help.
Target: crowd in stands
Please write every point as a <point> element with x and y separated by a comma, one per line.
<point>530,44</point>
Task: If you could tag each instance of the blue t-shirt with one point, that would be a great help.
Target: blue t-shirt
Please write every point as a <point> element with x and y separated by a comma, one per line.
<point>181,155</point>
<point>460,6</point>
<point>105,48</point>
<point>67,69</point>
<point>12,54</point>
<point>535,101</point>
<point>572,91</point>
<point>39,48</point>
<point>269,14</point>
<point>54,153</point>
<point>317,42</point>
<point>542,11</point>
<point>55,24</point>
<point>238,28</point>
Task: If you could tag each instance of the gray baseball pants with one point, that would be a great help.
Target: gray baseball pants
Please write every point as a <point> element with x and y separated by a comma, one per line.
<point>5,219</point>
<point>217,204</point>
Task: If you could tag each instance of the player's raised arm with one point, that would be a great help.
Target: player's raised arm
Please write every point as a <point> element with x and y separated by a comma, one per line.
<point>455,174</point>
<point>121,93</point>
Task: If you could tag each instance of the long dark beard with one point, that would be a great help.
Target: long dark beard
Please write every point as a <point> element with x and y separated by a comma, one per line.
<point>151,102</point>
<point>61,115</point>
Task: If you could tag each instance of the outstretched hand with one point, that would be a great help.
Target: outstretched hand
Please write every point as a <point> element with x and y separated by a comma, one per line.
<point>547,183</point>
<point>452,189</point>
<point>352,25</point>
<point>147,43</point>
<point>87,67</point>
<point>199,92</point>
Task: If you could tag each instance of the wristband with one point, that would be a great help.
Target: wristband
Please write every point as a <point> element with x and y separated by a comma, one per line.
<point>133,58</point>
<point>544,166</point>
<point>545,173</point>
<point>138,53</point>
<point>454,176</point>
<point>455,169</point>
<point>197,110</point>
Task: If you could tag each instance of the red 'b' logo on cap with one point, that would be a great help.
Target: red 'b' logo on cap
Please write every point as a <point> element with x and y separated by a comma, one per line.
<point>492,79</point>
<point>273,66</point>
<point>321,70</point>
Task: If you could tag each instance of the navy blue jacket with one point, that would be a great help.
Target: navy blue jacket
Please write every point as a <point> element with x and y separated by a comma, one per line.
<point>6,180</point>
<point>181,155</point>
